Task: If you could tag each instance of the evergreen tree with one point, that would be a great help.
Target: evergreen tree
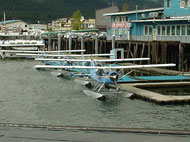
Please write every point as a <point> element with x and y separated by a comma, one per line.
<point>125,7</point>
<point>76,20</point>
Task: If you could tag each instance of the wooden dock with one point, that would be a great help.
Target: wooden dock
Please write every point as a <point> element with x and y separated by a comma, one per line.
<point>156,97</point>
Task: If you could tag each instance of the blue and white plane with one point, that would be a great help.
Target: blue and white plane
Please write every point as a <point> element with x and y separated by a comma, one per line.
<point>104,75</point>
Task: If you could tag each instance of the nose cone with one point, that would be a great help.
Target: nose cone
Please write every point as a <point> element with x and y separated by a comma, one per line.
<point>113,76</point>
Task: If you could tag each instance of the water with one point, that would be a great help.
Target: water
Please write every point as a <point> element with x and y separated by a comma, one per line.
<point>36,97</point>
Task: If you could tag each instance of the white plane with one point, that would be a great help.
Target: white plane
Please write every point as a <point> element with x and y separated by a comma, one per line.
<point>89,60</point>
<point>105,67</point>
<point>76,62</point>
<point>41,52</point>
<point>49,55</point>
<point>99,74</point>
<point>27,53</point>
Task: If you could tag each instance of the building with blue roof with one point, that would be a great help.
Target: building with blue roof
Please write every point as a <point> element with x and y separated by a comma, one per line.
<point>9,21</point>
<point>163,34</point>
<point>14,26</point>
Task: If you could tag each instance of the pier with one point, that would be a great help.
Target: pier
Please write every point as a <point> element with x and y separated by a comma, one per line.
<point>159,51</point>
<point>157,98</point>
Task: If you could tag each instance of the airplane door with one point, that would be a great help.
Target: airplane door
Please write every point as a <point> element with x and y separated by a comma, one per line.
<point>118,54</point>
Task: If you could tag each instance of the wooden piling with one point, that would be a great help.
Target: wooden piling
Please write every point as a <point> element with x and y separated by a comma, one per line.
<point>96,44</point>
<point>113,42</point>
<point>142,53</point>
<point>70,42</point>
<point>49,41</point>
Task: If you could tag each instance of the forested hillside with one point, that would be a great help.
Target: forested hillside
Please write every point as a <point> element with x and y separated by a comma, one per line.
<point>47,10</point>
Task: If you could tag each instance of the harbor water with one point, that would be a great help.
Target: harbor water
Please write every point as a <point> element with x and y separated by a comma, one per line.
<point>29,96</point>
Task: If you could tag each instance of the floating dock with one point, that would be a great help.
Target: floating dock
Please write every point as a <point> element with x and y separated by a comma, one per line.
<point>157,98</point>
<point>163,78</point>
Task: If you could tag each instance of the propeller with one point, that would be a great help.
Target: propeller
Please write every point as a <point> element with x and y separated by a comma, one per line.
<point>113,77</point>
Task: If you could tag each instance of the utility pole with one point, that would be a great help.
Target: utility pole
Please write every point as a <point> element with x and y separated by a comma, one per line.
<point>113,3</point>
<point>136,20</point>
<point>4,17</point>
<point>136,11</point>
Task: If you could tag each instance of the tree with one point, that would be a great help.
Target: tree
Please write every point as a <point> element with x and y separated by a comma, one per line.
<point>76,20</point>
<point>125,7</point>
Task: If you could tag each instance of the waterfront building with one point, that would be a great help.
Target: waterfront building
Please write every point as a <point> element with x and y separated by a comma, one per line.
<point>164,31</point>
<point>62,24</point>
<point>38,28</point>
<point>14,26</point>
<point>89,23</point>
<point>101,22</point>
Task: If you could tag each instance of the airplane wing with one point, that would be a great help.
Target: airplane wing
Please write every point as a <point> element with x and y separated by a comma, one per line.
<point>89,60</point>
<point>49,55</point>
<point>104,67</point>
<point>42,52</point>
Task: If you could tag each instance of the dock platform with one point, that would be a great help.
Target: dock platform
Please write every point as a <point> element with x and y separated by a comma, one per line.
<point>156,97</point>
<point>162,78</point>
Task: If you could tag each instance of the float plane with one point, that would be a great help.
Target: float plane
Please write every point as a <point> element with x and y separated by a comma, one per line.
<point>104,75</point>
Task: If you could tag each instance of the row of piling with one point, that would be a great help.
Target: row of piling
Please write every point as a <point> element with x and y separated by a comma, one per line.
<point>157,51</point>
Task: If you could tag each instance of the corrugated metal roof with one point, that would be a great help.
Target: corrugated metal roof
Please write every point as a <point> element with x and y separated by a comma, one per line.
<point>10,21</point>
<point>159,20</point>
<point>134,11</point>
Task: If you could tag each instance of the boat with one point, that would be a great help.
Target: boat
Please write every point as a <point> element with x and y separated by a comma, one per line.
<point>19,45</point>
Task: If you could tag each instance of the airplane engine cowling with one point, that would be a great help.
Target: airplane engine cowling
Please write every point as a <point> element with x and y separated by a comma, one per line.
<point>113,76</point>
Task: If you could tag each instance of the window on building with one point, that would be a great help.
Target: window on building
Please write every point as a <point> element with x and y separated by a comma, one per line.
<point>127,18</point>
<point>117,19</point>
<point>163,30</point>
<point>113,32</point>
<point>120,19</point>
<point>158,30</point>
<point>183,3</point>
<point>183,30</point>
<point>113,19</point>
<point>188,29</point>
<point>186,3</point>
<point>178,29</point>
<point>150,30</point>
<point>123,18</point>
<point>173,30</point>
<point>145,30</point>
<point>168,3</point>
<point>168,30</point>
